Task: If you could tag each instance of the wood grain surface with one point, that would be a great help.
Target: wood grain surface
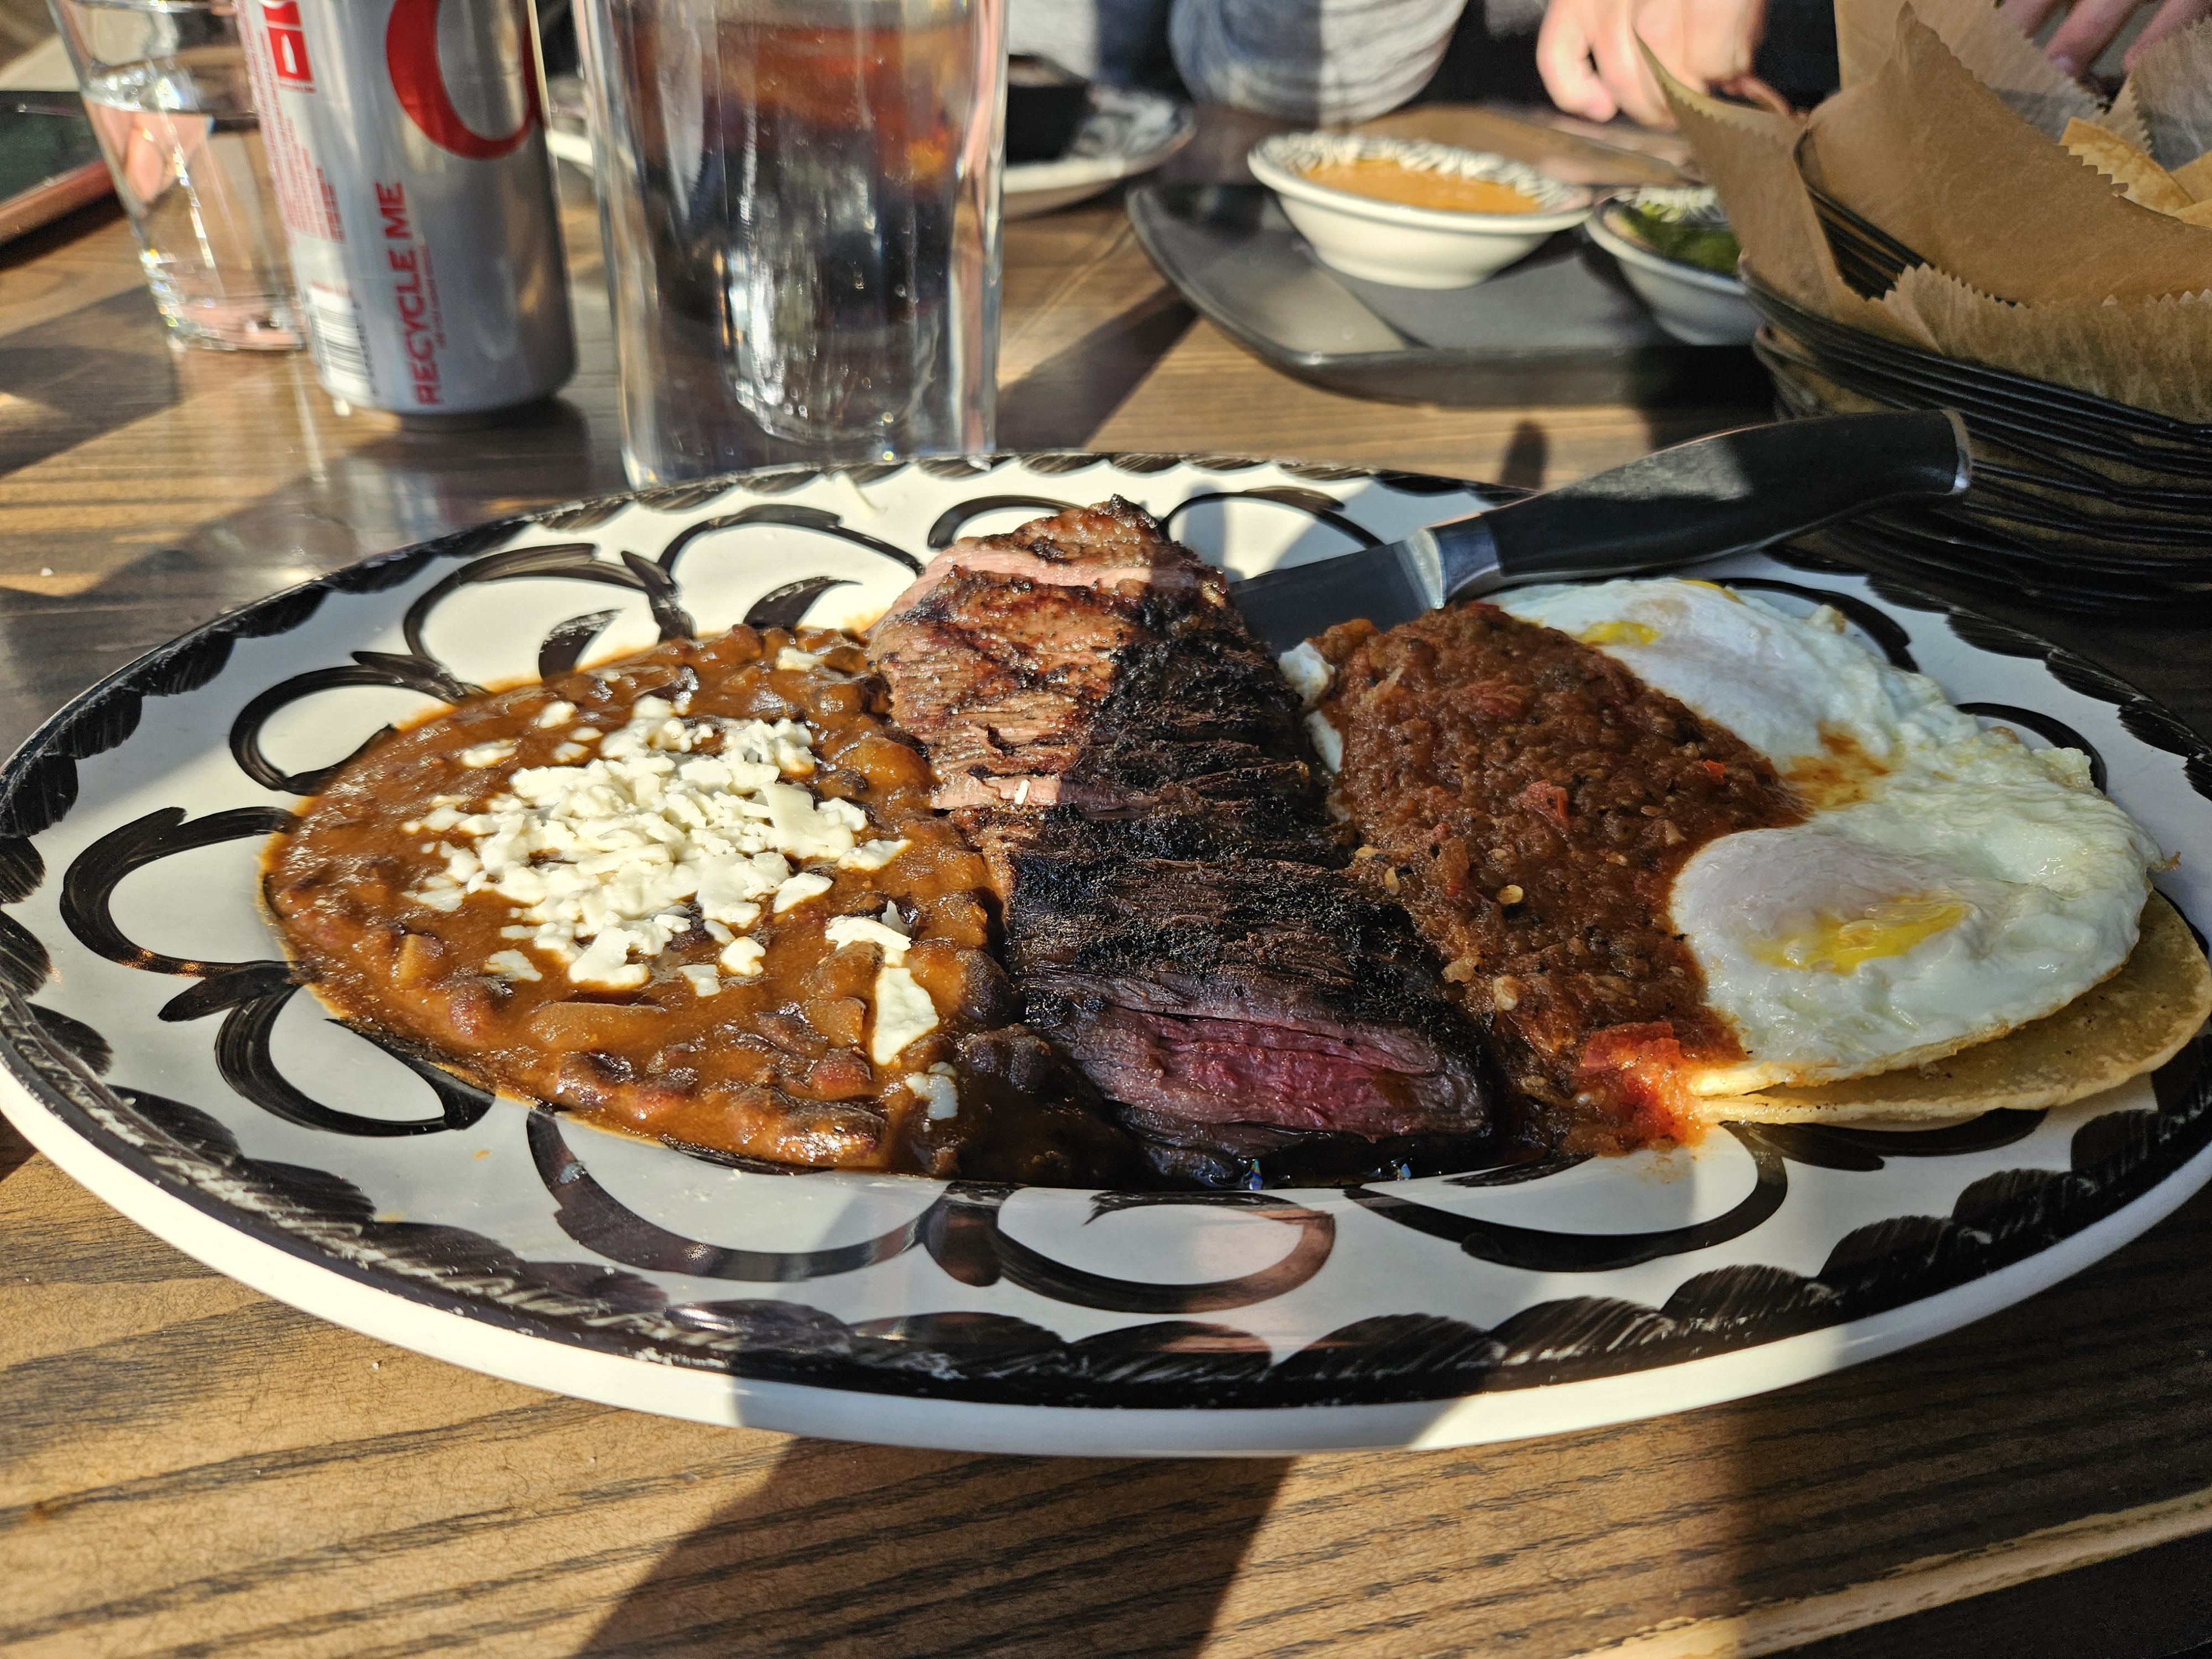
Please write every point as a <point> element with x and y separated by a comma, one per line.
<point>187,1468</point>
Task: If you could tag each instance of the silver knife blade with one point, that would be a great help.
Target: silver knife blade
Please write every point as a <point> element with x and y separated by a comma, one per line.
<point>1724,493</point>
<point>1386,585</point>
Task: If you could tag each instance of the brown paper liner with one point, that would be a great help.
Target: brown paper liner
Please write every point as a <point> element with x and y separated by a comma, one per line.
<point>2172,85</point>
<point>1941,162</point>
<point>2126,117</point>
<point>2007,62</point>
<point>2195,177</point>
<point>1866,34</point>
<point>2152,353</point>
<point>2144,182</point>
<point>2032,260</point>
<point>1749,156</point>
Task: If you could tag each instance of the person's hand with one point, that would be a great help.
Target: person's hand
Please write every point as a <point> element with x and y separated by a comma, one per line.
<point>1587,50</point>
<point>2093,25</point>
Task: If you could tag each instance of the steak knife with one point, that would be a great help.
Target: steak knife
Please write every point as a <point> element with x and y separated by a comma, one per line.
<point>1728,493</point>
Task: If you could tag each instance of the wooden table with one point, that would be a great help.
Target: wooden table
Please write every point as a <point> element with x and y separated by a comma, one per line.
<point>187,1468</point>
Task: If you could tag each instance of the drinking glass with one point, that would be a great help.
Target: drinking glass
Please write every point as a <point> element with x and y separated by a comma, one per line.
<point>165,87</point>
<point>799,203</point>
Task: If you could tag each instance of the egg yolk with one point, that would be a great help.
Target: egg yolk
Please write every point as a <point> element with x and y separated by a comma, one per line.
<point>1618,633</point>
<point>1837,946</point>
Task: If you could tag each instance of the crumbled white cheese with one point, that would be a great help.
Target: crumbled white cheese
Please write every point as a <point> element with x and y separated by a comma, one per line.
<point>936,1086</point>
<point>606,961</point>
<point>486,754</point>
<point>866,930</point>
<point>791,657</point>
<point>606,859</point>
<point>1327,740</point>
<point>873,854</point>
<point>703,978</point>
<point>904,1014</point>
<point>569,753</point>
<point>511,964</point>
<point>800,889</point>
<point>808,829</point>
<point>1307,670</point>
<point>555,714</point>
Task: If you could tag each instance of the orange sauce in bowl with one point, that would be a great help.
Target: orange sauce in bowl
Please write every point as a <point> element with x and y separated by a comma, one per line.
<point>1387,180</point>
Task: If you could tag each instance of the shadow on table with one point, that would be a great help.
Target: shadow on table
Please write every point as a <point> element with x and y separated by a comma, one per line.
<point>2070,1418</point>
<point>1062,401</point>
<point>15,1151</point>
<point>882,1550</point>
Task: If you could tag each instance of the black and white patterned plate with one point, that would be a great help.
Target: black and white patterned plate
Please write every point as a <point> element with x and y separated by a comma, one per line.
<point>155,1049</point>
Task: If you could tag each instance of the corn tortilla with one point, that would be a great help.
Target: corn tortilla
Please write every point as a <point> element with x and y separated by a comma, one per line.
<point>2130,1024</point>
<point>2147,184</point>
<point>2195,177</point>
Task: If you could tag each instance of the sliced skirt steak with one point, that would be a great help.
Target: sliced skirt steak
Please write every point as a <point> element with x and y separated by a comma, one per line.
<point>1180,919</point>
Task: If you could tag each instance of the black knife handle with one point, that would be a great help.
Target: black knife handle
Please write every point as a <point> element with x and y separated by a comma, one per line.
<point>1726,494</point>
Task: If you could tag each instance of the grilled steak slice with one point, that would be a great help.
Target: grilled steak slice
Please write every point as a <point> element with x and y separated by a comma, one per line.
<point>1002,653</point>
<point>1251,990</point>
<point>1179,919</point>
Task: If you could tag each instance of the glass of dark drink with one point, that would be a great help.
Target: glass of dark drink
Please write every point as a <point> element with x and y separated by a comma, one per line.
<point>800,200</point>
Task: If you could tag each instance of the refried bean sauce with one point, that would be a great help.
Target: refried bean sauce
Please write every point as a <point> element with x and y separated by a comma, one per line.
<point>1529,801</point>
<point>699,895</point>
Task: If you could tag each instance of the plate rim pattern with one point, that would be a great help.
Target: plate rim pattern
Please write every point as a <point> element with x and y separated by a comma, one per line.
<point>318,1217</point>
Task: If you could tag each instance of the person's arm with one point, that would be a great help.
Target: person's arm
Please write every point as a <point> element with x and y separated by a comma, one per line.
<point>1324,61</point>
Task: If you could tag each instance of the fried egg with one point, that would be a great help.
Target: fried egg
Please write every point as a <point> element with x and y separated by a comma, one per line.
<point>1948,883</point>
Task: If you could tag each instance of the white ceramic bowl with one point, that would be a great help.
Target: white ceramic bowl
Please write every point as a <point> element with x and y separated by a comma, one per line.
<point>1410,246</point>
<point>1696,306</point>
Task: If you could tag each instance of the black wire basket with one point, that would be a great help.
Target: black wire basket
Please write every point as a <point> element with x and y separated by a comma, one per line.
<point>2076,499</point>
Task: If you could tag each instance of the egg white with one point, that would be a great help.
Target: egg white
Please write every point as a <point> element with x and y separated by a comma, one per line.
<point>1974,884</point>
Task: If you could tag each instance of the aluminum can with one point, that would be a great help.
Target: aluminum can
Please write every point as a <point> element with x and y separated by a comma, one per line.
<point>406,139</point>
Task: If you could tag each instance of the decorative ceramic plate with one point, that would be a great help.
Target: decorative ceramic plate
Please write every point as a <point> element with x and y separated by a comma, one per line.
<point>1128,130</point>
<point>156,1050</point>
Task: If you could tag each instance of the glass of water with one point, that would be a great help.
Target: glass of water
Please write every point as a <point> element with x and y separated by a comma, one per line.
<point>165,86</point>
<point>800,200</point>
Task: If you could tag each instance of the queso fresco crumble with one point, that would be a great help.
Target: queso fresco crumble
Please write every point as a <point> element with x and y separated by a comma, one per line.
<point>700,894</point>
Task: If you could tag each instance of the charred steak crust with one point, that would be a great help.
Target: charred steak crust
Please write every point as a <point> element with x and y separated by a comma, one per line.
<point>1195,988</point>
<point>1180,917</point>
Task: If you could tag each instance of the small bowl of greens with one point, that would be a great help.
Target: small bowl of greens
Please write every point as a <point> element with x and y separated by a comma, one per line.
<point>1674,247</point>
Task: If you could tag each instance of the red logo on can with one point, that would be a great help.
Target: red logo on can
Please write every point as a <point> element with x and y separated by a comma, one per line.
<point>411,53</point>
<point>288,42</point>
